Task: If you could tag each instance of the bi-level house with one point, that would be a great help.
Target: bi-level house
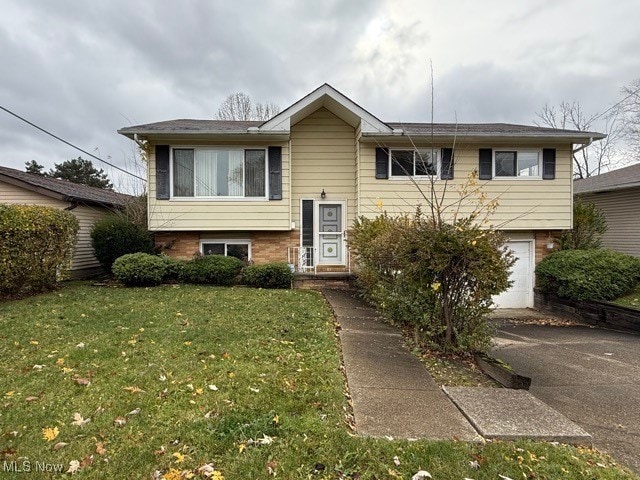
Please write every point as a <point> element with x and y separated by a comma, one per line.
<point>289,189</point>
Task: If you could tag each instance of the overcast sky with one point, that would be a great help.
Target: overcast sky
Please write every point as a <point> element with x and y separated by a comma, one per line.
<point>83,69</point>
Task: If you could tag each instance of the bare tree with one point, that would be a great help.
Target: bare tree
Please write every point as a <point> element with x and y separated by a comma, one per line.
<point>631,112</point>
<point>238,106</point>
<point>590,159</point>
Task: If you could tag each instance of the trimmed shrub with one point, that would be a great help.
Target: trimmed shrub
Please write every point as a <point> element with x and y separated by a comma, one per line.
<point>36,245</point>
<point>597,274</point>
<point>211,269</point>
<point>139,269</point>
<point>115,236</point>
<point>173,268</point>
<point>270,275</point>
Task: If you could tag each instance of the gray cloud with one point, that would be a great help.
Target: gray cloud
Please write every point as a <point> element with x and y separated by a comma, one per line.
<point>85,69</point>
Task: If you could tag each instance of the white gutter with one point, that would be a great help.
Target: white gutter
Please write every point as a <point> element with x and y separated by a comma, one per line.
<point>584,145</point>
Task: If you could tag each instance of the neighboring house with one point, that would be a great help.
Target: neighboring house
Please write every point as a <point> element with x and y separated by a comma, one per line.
<point>289,189</point>
<point>88,204</point>
<point>617,195</point>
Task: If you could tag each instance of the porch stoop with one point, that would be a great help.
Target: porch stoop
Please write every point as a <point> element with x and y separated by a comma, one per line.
<point>326,279</point>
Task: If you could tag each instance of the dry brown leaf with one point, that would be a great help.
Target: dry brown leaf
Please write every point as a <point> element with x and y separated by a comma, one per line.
<point>59,445</point>
<point>120,421</point>
<point>85,382</point>
<point>31,399</point>
<point>100,450</point>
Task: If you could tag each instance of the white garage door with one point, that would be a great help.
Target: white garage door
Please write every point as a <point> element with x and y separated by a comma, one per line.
<point>520,295</point>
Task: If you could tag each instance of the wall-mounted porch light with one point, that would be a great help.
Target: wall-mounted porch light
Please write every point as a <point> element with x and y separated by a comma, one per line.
<point>323,195</point>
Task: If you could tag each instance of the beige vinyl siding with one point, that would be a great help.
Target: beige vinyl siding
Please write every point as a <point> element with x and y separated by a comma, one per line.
<point>83,254</point>
<point>14,194</point>
<point>323,152</point>
<point>620,208</point>
<point>234,215</point>
<point>87,215</point>
<point>523,204</point>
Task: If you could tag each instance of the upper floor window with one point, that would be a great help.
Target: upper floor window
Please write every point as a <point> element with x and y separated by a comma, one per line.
<point>517,163</point>
<point>413,163</point>
<point>219,172</point>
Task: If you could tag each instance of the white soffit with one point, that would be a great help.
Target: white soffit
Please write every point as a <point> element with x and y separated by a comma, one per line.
<point>328,97</point>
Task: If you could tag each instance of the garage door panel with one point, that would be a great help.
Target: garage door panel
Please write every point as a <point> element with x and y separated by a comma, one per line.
<point>520,294</point>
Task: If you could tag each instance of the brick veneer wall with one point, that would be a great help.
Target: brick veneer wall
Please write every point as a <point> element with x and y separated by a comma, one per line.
<point>541,239</point>
<point>273,246</point>
<point>265,246</point>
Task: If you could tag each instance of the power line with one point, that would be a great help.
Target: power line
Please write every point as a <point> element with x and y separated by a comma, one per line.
<point>636,91</point>
<point>71,144</point>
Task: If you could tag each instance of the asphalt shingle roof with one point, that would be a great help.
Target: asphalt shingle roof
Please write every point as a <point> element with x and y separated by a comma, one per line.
<point>626,177</point>
<point>71,191</point>
<point>191,126</point>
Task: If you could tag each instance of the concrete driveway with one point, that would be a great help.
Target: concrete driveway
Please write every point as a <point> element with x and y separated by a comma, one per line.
<point>590,375</point>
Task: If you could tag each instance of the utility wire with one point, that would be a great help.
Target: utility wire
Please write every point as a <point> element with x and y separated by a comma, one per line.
<point>71,144</point>
<point>636,91</point>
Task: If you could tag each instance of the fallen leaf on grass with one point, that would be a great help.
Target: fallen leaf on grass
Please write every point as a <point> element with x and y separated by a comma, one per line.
<point>79,420</point>
<point>213,387</point>
<point>502,477</point>
<point>38,367</point>
<point>396,461</point>
<point>100,449</point>
<point>179,458</point>
<point>59,445</point>
<point>271,467</point>
<point>31,399</point>
<point>134,412</point>
<point>421,475</point>
<point>74,466</point>
<point>120,421</point>
<point>134,389</point>
<point>84,382</point>
<point>50,434</point>
<point>80,345</point>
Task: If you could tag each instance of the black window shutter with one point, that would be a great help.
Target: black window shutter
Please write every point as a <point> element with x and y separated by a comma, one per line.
<point>307,223</point>
<point>447,164</point>
<point>548,163</point>
<point>163,188</point>
<point>382,162</point>
<point>485,161</point>
<point>275,173</point>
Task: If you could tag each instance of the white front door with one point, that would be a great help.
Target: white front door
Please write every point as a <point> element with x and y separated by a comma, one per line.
<point>520,294</point>
<point>330,234</point>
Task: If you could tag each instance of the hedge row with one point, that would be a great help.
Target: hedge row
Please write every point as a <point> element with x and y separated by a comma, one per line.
<point>596,274</point>
<point>36,244</point>
<point>142,269</point>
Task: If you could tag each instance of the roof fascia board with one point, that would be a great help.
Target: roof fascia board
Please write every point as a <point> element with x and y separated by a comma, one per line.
<point>282,121</point>
<point>478,137</point>
<point>611,188</point>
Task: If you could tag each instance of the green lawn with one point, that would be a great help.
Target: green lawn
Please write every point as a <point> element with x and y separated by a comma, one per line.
<point>631,299</point>
<point>246,380</point>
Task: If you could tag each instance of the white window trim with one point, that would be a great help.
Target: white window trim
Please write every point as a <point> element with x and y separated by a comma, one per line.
<point>436,152</point>
<point>517,150</point>
<point>195,198</point>
<point>226,241</point>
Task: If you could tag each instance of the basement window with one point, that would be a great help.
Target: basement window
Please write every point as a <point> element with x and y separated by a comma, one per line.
<point>240,249</point>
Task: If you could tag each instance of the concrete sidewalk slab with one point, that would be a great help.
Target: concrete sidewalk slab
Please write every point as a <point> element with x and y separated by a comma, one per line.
<point>392,393</point>
<point>413,414</point>
<point>505,414</point>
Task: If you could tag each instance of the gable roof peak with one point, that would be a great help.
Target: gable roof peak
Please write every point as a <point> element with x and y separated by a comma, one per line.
<point>336,102</point>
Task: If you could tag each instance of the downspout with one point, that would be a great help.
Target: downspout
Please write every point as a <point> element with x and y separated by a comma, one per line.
<point>72,206</point>
<point>138,142</point>
<point>585,145</point>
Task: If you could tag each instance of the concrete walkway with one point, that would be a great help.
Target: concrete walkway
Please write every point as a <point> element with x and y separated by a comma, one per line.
<point>394,395</point>
<point>392,392</point>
